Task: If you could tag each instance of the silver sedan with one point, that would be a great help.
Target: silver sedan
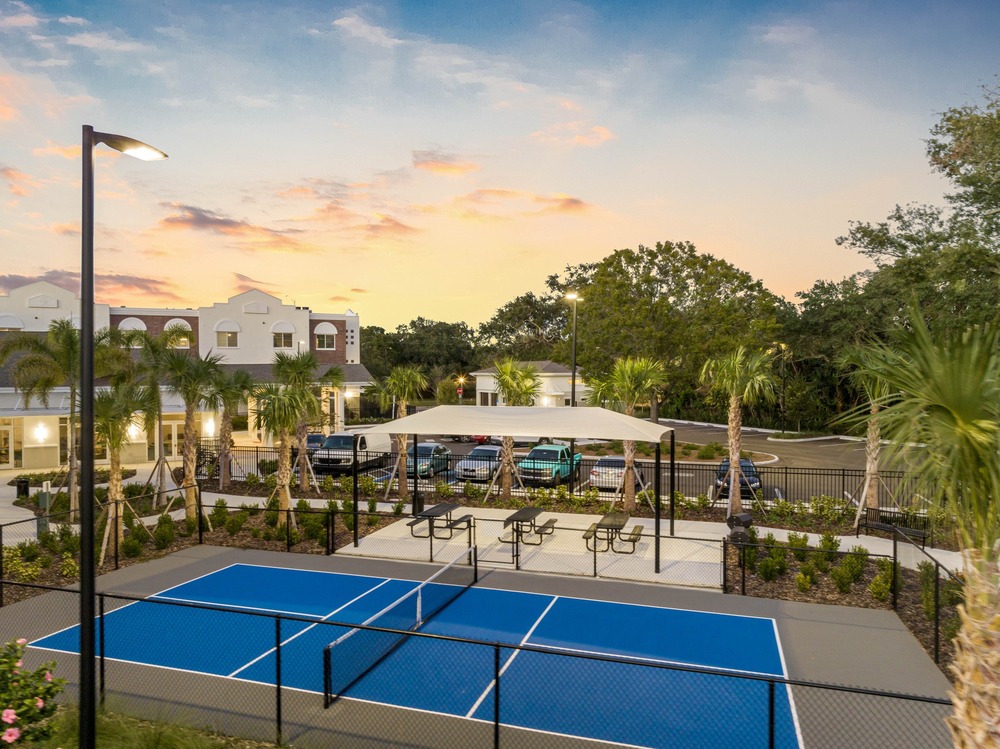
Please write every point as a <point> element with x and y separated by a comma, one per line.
<point>608,474</point>
<point>480,464</point>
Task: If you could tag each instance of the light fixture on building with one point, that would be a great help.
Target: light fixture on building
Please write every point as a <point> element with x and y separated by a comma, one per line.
<point>209,427</point>
<point>41,433</point>
<point>133,432</point>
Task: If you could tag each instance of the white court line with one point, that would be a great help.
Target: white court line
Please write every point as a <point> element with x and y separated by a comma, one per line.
<point>490,686</point>
<point>297,634</point>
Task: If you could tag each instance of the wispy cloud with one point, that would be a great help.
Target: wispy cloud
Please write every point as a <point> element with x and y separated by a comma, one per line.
<point>69,280</point>
<point>252,236</point>
<point>787,33</point>
<point>74,21</point>
<point>66,230</point>
<point>572,134</point>
<point>357,27</point>
<point>18,182</point>
<point>439,162</point>
<point>71,152</point>
<point>21,18</point>
<point>113,286</point>
<point>386,227</point>
<point>102,41</point>
<point>493,204</point>
<point>246,283</point>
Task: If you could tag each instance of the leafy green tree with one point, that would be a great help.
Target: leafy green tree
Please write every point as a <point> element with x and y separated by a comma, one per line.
<point>192,377</point>
<point>742,377</point>
<point>280,408</point>
<point>632,381</point>
<point>519,385</point>
<point>943,394</point>
<point>379,350</point>
<point>404,384</point>
<point>51,361</point>
<point>669,303</point>
<point>527,328</point>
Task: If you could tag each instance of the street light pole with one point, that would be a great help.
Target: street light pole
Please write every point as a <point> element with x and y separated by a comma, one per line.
<point>573,297</point>
<point>461,387</point>
<point>88,584</point>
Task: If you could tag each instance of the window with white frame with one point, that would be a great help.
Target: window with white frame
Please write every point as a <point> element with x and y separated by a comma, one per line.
<point>326,336</point>
<point>282,340</point>
<point>227,339</point>
<point>183,339</point>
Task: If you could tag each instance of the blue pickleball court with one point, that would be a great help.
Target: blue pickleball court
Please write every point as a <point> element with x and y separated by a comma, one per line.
<point>575,683</point>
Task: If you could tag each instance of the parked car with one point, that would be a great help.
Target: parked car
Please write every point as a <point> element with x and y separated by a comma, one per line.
<point>481,439</point>
<point>750,484</point>
<point>549,465</point>
<point>609,473</point>
<point>432,458</point>
<point>336,455</point>
<point>461,437</point>
<point>313,443</point>
<point>479,465</point>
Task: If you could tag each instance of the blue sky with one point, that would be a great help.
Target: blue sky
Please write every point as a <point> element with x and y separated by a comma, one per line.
<point>440,158</point>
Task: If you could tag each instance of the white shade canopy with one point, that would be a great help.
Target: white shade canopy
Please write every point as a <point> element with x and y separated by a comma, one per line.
<point>526,421</point>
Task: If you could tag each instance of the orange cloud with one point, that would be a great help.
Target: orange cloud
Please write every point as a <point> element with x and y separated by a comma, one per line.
<point>66,230</point>
<point>574,134</point>
<point>437,162</point>
<point>252,236</point>
<point>18,183</point>
<point>300,191</point>
<point>491,204</point>
<point>71,152</point>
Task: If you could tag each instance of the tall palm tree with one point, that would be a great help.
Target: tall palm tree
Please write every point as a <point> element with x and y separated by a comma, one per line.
<point>944,396</point>
<point>403,384</point>
<point>151,363</point>
<point>280,408</point>
<point>632,381</point>
<point>861,364</point>
<point>116,408</point>
<point>744,378</point>
<point>229,391</point>
<point>193,379</point>
<point>519,385</point>
<point>52,361</point>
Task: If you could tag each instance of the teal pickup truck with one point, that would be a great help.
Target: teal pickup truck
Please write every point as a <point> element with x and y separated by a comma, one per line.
<point>549,465</point>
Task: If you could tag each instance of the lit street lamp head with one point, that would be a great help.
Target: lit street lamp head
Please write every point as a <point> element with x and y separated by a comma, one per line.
<point>129,146</point>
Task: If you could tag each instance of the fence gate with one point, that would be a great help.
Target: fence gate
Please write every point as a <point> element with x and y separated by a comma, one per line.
<point>493,550</point>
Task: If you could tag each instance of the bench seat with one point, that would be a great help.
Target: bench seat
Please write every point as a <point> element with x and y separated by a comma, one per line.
<point>632,538</point>
<point>547,527</point>
<point>879,519</point>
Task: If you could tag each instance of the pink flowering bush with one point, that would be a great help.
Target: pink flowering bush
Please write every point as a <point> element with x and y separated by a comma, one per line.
<point>26,697</point>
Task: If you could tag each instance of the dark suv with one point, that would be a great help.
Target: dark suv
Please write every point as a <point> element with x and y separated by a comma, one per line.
<point>750,484</point>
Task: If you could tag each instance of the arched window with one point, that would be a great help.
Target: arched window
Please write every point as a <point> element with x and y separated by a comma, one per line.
<point>132,323</point>
<point>227,334</point>
<point>283,333</point>
<point>11,322</point>
<point>182,341</point>
<point>326,336</point>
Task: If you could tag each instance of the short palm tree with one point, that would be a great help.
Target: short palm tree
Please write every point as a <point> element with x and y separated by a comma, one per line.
<point>193,378</point>
<point>280,408</point>
<point>519,385</point>
<point>116,408</point>
<point>943,394</point>
<point>229,391</point>
<point>632,381</point>
<point>403,384</point>
<point>54,361</point>
<point>743,377</point>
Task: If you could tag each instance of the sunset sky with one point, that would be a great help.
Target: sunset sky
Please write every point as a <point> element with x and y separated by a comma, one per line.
<point>440,158</point>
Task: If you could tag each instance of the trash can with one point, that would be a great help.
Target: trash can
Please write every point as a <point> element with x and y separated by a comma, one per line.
<point>22,487</point>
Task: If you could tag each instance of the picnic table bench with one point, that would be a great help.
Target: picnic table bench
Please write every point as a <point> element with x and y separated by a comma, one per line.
<point>881,519</point>
<point>442,511</point>
<point>524,529</point>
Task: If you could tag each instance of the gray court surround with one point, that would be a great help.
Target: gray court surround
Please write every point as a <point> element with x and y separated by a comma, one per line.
<point>863,648</point>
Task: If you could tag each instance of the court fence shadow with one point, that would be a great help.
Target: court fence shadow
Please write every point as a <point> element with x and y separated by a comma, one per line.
<point>292,679</point>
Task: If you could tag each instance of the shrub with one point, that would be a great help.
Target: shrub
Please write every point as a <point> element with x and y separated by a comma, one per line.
<point>367,485</point>
<point>856,561</point>
<point>799,544</point>
<point>372,519</point>
<point>767,568</point>
<point>830,545</point>
<point>163,534</point>
<point>28,696</point>
<point>779,555</point>
<point>219,514</point>
<point>752,551</point>
<point>347,485</point>
<point>255,533</point>
<point>267,466</point>
<point>373,504</point>
<point>782,509</point>
<point>397,508</point>
<point>49,541</point>
<point>131,547</point>
<point>69,567</point>
<point>473,491</point>
<point>235,523</point>
<point>327,484</point>
<point>250,510</point>
<point>16,568</point>
<point>252,480</point>
<point>131,491</point>
<point>28,550</point>
<point>828,509</point>
<point>843,577</point>
<point>349,520</point>
<point>271,481</point>
<point>880,587</point>
<point>443,490</point>
<point>803,582</point>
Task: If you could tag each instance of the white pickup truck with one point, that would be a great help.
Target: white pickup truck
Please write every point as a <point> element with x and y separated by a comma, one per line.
<point>337,453</point>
